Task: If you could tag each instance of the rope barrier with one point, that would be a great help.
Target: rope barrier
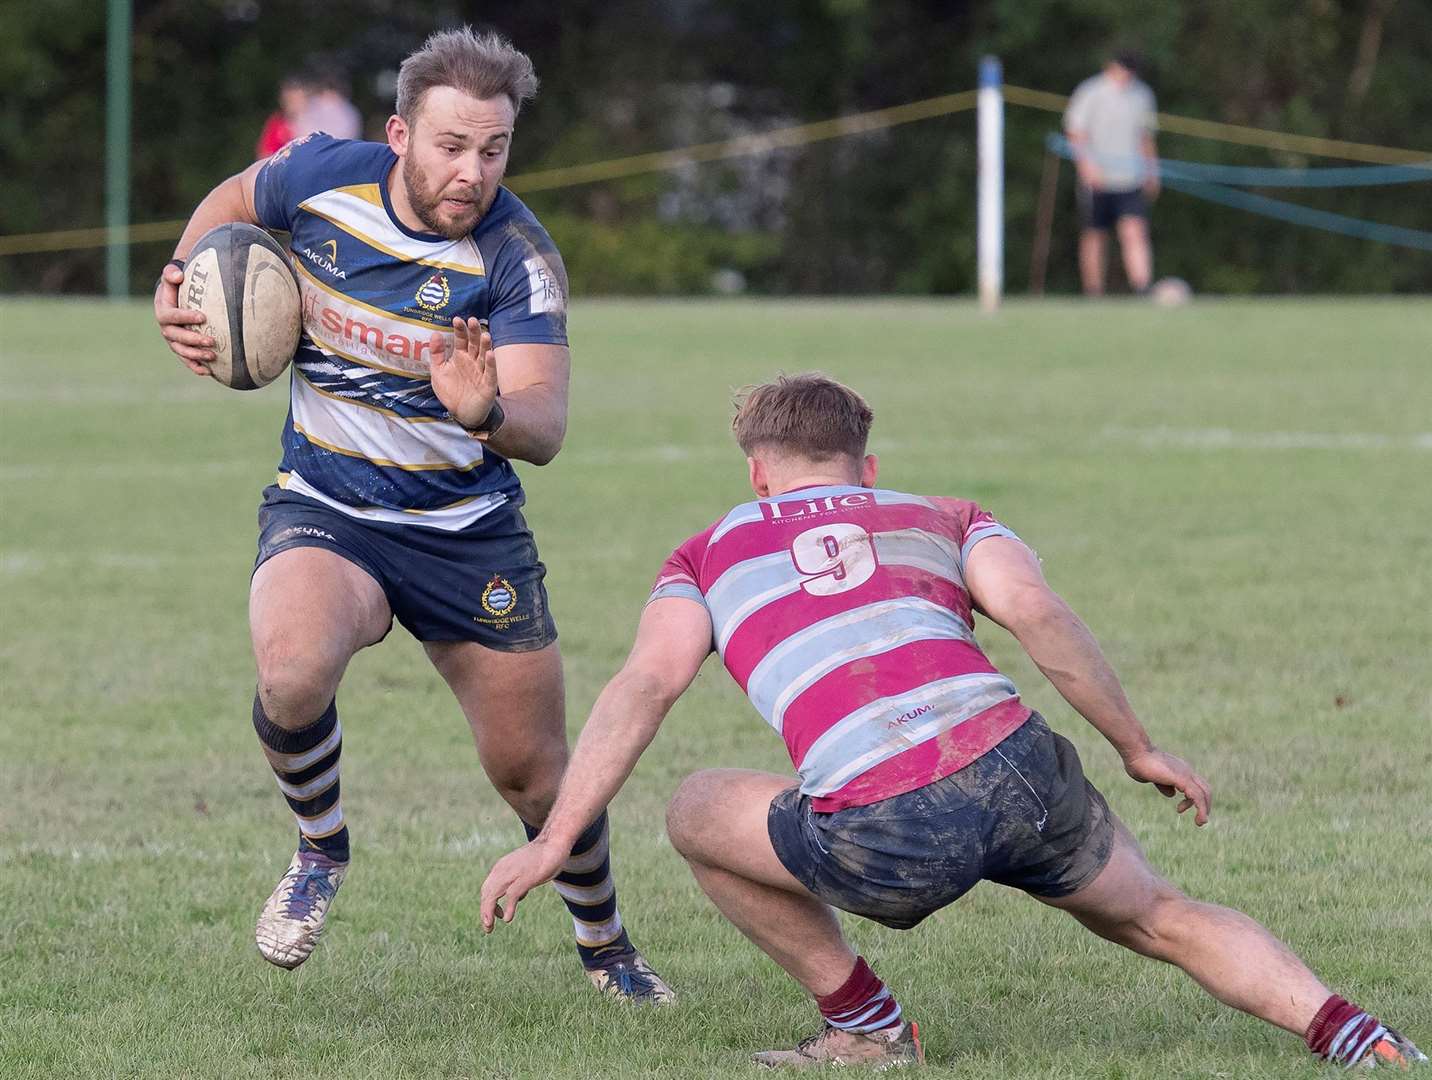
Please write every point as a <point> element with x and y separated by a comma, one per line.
<point>745,145</point>
<point>1194,179</point>
<point>70,239</point>
<point>778,139</point>
<point>1241,176</point>
<point>1246,136</point>
<point>1304,215</point>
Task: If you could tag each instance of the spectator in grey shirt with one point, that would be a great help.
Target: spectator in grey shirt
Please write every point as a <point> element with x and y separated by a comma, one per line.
<point>1110,123</point>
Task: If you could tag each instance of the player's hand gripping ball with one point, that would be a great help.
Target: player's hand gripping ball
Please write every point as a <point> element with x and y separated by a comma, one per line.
<point>240,278</point>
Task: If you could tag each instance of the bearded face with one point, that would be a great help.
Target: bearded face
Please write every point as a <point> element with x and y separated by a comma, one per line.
<point>452,213</point>
<point>454,155</point>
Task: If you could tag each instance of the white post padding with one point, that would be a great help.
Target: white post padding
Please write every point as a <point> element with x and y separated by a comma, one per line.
<point>991,183</point>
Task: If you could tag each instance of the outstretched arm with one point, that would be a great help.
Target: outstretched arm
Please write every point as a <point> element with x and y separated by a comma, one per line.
<point>534,382</point>
<point>673,639</point>
<point>531,378</point>
<point>1005,581</point>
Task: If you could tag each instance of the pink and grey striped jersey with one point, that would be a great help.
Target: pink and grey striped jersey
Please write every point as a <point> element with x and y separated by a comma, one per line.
<point>842,613</point>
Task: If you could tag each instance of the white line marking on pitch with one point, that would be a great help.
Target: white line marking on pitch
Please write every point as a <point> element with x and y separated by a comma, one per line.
<point>118,470</point>
<point>1228,439</point>
<point>22,563</point>
<point>101,394</point>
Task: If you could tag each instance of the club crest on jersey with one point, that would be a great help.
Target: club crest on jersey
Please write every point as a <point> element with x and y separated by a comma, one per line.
<point>326,259</point>
<point>499,598</point>
<point>435,293</point>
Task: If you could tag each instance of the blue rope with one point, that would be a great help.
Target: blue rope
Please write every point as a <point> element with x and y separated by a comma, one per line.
<point>1243,176</point>
<point>1194,179</point>
<point>1349,176</point>
<point>1305,215</point>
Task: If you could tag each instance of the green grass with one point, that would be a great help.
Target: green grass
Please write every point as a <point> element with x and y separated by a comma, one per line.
<point>1236,496</point>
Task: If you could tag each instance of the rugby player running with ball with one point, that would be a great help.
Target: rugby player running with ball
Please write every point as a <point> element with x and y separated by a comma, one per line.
<point>434,352</point>
<point>845,611</point>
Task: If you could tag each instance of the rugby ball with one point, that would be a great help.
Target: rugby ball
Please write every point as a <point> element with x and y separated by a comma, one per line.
<point>240,278</point>
<point>1170,292</point>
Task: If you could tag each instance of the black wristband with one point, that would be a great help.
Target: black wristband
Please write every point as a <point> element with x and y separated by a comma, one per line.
<point>491,423</point>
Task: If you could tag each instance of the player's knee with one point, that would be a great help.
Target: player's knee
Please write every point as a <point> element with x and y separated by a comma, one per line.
<point>294,686</point>
<point>529,804</point>
<point>690,809</point>
<point>292,703</point>
<point>530,797</point>
<point>529,783</point>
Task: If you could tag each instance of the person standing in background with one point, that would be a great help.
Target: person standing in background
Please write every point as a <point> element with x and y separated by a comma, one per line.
<point>328,109</point>
<point>1110,123</point>
<point>278,128</point>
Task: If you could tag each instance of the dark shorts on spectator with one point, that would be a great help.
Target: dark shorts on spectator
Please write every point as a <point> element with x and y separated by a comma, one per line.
<point>1103,209</point>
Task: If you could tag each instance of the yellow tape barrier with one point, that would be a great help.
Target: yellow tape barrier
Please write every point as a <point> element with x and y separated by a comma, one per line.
<point>69,239</point>
<point>763,143</point>
<point>1247,136</point>
<point>781,138</point>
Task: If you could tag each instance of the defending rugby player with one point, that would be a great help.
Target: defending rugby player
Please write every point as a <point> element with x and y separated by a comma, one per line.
<point>845,612</point>
<point>434,352</point>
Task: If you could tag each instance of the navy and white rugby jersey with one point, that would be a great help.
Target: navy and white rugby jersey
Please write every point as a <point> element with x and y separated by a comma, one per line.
<point>365,433</point>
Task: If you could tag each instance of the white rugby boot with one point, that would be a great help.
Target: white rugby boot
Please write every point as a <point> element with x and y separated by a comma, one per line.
<point>630,978</point>
<point>292,920</point>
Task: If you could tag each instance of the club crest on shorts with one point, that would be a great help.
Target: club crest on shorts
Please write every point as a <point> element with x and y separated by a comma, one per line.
<point>435,293</point>
<point>499,598</point>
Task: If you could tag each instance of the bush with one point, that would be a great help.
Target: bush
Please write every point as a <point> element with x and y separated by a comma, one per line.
<point>649,257</point>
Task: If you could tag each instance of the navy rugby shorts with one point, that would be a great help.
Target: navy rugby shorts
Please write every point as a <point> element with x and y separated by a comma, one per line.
<point>1103,209</point>
<point>1020,815</point>
<point>481,584</point>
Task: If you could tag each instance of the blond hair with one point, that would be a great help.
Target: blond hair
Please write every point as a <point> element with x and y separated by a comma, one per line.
<point>809,415</point>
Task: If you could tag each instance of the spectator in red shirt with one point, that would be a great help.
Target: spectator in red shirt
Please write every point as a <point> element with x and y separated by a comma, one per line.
<point>278,129</point>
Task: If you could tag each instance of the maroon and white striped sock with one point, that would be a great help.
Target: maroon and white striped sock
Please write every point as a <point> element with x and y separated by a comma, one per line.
<point>1342,1032</point>
<point>862,1004</point>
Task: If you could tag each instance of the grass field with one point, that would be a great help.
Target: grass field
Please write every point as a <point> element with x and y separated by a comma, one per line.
<point>1236,496</point>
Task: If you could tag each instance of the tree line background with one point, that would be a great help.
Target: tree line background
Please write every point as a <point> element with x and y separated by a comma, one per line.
<point>885,212</point>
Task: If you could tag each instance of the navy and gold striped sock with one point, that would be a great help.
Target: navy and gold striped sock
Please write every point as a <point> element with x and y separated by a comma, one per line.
<point>585,885</point>
<point>305,763</point>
